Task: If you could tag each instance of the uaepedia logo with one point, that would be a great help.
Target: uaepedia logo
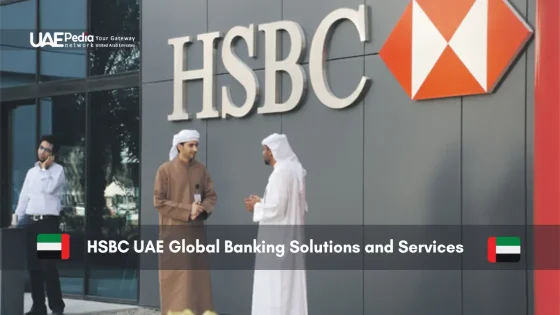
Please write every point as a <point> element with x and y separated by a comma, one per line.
<point>59,39</point>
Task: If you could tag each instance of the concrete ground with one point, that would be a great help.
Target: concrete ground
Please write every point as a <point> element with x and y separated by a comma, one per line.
<point>81,307</point>
<point>138,311</point>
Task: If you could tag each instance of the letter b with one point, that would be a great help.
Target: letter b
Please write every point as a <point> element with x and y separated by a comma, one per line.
<point>290,66</point>
<point>113,246</point>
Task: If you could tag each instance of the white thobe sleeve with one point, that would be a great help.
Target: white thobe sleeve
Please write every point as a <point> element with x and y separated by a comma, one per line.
<point>275,202</point>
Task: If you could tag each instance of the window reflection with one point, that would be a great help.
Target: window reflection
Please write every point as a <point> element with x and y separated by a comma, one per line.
<point>120,18</point>
<point>114,188</point>
<point>17,57</point>
<point>63,16</point>
<point>64,117</point>
<point>24,147</point>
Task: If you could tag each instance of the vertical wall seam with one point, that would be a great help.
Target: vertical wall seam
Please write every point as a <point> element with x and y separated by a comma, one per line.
<point>526,194</point>
<point>38,50</point>
<point>38,72</point>
<point>363,173</point>
<point>281,52</point>
<point>215,89</point>
<point>461,114</point>
<point>140,146</point>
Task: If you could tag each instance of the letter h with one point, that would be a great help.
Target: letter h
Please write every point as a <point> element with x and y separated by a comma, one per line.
<point>206,74</point>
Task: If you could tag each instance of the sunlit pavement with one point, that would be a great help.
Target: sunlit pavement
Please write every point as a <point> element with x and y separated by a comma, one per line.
<point>82,307</point>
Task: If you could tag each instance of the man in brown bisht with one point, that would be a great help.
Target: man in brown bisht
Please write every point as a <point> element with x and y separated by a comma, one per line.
<point>184,196</point>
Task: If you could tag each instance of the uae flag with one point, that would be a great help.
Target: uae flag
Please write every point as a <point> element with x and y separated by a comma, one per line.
<point>53,246</point>
<point>504,249</point>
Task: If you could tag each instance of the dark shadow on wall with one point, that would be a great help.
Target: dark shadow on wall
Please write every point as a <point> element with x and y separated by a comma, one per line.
<point>479,292</point>
<point>446,187</point>
<point>439,291</point>
<point>427,292</point>
<point>487,292</point>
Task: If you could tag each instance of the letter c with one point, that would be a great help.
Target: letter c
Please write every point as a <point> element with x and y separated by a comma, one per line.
<point>317,56</point>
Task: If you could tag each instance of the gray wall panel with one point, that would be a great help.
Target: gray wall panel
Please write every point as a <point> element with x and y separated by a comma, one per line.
<point>157,136</point>
<point>384,16</point>
<point>531,16</point>
<point>329,145</point>
<point>232,291</point>
<point>335,292</point>
<point>494,186</point>
<point>416,292</point>
<point>494,183</point>
<point>162,20</point>
<point>385,160</point>
<point>243,13</point>
<point>494,153</point>
<point>498,292</point>
<point>235,156</point>
<point>345,41</point>
<point>412,176</point>
<point>521,6</point>
<point>412,152</point>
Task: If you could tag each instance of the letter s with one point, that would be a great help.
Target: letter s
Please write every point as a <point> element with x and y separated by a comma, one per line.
<point>239,71</point>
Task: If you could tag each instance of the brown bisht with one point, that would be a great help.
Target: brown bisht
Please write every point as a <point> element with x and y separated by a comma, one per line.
<point>184,279</point>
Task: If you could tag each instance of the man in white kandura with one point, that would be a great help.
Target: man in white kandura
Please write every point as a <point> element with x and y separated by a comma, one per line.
<point>282,291</point>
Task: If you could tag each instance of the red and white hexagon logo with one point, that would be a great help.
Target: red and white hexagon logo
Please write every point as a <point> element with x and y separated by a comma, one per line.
<point>448,48</point>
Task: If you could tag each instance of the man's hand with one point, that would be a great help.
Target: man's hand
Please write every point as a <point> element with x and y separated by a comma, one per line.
<point>251,201</point>
<point>48,162</point>
<point>196,210</point>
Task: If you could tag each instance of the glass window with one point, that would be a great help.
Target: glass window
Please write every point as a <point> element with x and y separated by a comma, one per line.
<point>24,146</point>
<point>64,117</point>
<point>70,18</point>
<point>114,188</point>
<point>116,27</point>
<point>18,64</point>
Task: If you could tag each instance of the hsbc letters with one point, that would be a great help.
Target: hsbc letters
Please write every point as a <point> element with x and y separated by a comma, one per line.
<point>247,77</point>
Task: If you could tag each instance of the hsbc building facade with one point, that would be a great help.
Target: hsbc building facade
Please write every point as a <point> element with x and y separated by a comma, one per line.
<point>435,115</point>
<point>403,113</point>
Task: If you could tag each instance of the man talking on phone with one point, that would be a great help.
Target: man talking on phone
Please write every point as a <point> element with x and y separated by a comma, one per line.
<point>39,207</point>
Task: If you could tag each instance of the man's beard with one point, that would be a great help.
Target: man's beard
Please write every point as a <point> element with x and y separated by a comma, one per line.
<point>267,162</point>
